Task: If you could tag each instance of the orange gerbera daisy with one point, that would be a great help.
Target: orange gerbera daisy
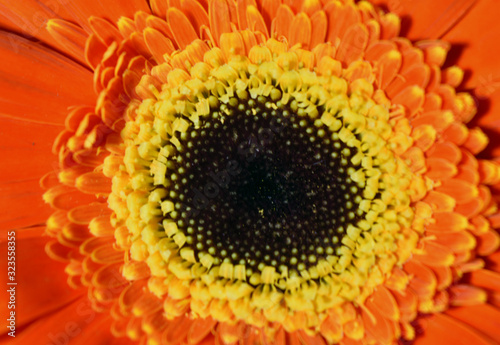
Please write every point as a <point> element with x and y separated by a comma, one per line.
<point>251,171</point>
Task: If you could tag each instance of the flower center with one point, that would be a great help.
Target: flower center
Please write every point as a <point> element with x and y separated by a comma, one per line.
<point>263,186</point>
<point>257,189</point>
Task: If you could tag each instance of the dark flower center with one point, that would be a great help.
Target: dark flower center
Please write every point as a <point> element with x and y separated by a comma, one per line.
<point>258,184</point>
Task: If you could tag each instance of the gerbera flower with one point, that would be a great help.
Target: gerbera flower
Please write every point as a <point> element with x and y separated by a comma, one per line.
<point>250,171</point>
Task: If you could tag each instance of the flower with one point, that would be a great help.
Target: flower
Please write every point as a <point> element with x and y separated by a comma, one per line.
<point>262,172</point>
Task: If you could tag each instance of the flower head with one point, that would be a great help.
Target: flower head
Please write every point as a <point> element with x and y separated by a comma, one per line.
<point>273,172</point>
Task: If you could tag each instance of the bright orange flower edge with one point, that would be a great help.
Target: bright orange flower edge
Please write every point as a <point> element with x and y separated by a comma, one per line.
<point>457,212</point>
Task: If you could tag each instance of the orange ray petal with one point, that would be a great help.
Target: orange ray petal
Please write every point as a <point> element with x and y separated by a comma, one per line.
<point>434,254</point>
<point>105,30</point>
<point>39,84</point>
<point>159,7</point>
<point>488,243</point>
<point>75,324</point>
<point>26,149</point>
<point>484,318</point>
<point>28,18</point>
<point>69,36</point>
<point>442,329</point>
<point>460,190</point>
<point>388,65</point>
<point>479,30</point>
<point>82,10</point>
<point>487,93</point>
<point>268,10</point>
<point>353,44</point>
<point>300,31</point>
<point>39,279</point>
<point>384,301</point>
<point>456,241</point>
<point>220,18</point>
<point>158,44</point>
<point>466,295</point>
<point>256,22</point>
<point>22,205</point>
<point>282,21</point>
<point>486,279</point>
<point>429,19</point>
<point>340,19</point>
<point>196,14</point>
<point>242,6</point>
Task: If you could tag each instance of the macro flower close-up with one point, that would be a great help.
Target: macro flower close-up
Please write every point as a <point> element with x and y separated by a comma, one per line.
<point>250,172</point>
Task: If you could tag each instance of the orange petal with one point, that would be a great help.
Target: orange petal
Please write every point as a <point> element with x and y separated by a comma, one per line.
<point>39,279</point>
<point>94,183</point>
<point>477,141</point>
<point>443,329</point>
<point>417,75</point>
<point>456,241</point>
<point>385,303</point>
<point>319,28</point>
<point>242,12</point>
<point>440,169</point>
<point>158,44</point>
<point>460,190</point>
<point>439,120</point>
<point>159,7</point>
<point>440,202</point>
<point>428,19</point>
<point>423,281</point>
<point>444,276</point>
<point>220,18</point>
<point>22,205</point>
<point>199,329</point>
<point>377,326</point>
<point>281,24</point>
<point>232,44</point>
<point>479,29</point>
<point>434,53</point>
<point>300,31</point>
<point>197,15</point>
<point>20,18</point>
<point>182,29</point>
<point>331,328</point>
<point>39,84</point>
<point>484,318</point>
<point>446,150</point>
<point>466,295</point>
<point>487,243</point>
<point>408,303</point>
<point>388,66</point>
<point>412,97</point>
<point>476,205</point>
<point>105,31</point>
<point>489,172</point>
<point>65,198</point>
<point>340,19</point>
<point>84,214</point>
<point>256,21</point>
<point>70,36</point>
<point>390,26</point>
<point>485,279</point>
<point>456,133</point>
<point>76,324</point>
<point>82,10</point>
<point>448,222</point>
<point>434,254</point>
<point>353,45</point>
<point>310,340</point>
